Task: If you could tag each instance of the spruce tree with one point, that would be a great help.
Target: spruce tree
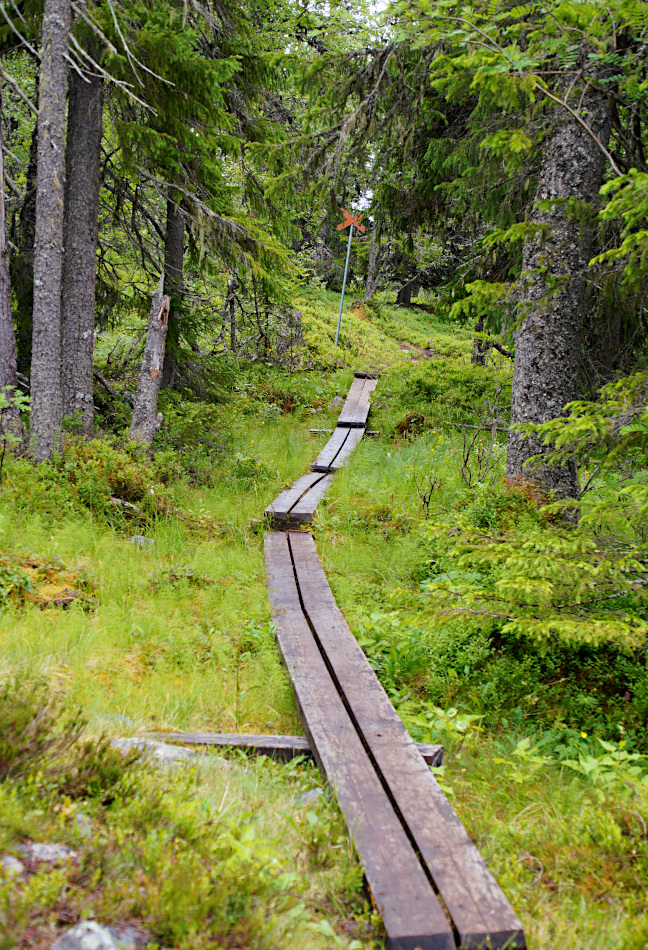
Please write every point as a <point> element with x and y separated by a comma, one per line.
<point>46,412</point>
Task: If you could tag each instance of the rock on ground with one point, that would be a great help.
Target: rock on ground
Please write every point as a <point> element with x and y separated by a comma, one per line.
<point>141,541</point>
<point>90,935</point>
<point>38,853</point>
<point>162,752</point>
<point>11,866</point>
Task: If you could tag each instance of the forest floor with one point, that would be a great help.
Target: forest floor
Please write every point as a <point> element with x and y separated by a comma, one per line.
<point>173,632</point>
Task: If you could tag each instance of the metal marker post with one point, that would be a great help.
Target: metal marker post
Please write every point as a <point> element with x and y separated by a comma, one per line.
<point>346,270</point>
<point>349,219</point>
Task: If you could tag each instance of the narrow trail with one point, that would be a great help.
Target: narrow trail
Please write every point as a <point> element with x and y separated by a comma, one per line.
<point>428,880</point>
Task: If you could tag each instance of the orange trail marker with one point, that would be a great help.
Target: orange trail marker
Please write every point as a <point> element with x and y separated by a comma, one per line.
<point>350,220</point>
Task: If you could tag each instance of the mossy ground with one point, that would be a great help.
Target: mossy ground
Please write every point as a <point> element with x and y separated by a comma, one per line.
<point>176,635</point>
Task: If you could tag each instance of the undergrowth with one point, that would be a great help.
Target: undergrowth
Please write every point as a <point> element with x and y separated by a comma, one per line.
<point>514,637</point>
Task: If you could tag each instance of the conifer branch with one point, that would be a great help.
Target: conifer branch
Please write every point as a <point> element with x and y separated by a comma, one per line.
<point>15,30</point>
<point>16,88</point>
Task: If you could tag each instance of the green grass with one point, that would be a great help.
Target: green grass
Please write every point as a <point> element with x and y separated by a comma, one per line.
<point>178,637</point>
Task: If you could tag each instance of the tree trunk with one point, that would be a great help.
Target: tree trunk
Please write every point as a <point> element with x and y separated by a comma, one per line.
<point>80,233</point>
<point>231,304</point>
<point>548,341</point>
<point>371,269</point>
<point>144,422</point>
<point>46,414</point>
<point>323,253</point>
<point>22,261</point>
<point>173,287</point>
<point>404,296</point>
<point>10,419</point>
<point>480,346</point>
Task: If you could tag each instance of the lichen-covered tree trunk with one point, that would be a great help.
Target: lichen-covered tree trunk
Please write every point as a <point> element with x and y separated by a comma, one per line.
<point>21,264</point>
<point>173,286</point>
<point>8,356</point>
<point>144,422</point>
<point>80,232</point>
<point>371,269</point>
<point>553,293</point>
<point>46,411</point>
<point>480,347</point>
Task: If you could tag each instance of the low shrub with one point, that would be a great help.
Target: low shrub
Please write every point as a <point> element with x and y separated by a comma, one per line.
<point>245,468</point>
<point>447,389</point>
<point>98,476</point>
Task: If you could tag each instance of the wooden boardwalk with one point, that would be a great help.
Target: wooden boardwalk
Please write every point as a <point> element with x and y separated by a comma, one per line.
<point>430,884</point>
<point>296,505</point>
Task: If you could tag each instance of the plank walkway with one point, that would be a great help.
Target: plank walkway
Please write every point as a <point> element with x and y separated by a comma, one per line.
<point>296,505</point>
<point>430,884</point>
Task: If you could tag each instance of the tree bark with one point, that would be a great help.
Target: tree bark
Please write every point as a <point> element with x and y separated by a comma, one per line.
<point>404,296</point>
<point>173,287</point>
<point>548,341</point>
<point>10,419</point>
<point>231,305</point>
<point>144,422</point>
<point>371,269</point>
<point>80,234</point>
<point>480,346</point>
<point>46,413</point>
<point>22,261</point>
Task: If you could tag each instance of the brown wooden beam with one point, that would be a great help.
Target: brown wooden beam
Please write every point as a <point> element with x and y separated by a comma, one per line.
<point>283,748</point>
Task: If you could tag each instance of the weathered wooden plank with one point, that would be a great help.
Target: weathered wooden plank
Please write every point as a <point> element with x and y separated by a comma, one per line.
<point>283,748</point>
<point>363,406</point>
<point>330,451</point>
<point>351,401</point>
<point>283,503</point>
<point>304,510</point>
<point>337,450</point>
<point>352,440</point>
<point>356,410</point>
<point>411,913</point>
<point>479,909</point>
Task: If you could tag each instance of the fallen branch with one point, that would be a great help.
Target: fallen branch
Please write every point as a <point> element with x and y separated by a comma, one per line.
<point>502,350</point>
<point>118,503</point>
<point>126,397</point>
<point>461,425</point>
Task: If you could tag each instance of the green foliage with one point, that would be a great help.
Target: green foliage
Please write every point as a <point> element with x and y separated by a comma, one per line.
<point>613,427</point>
<point>397,652</point>
<point>448,390</point>
<point>177,574</point>
<point>14,583</point>
<point>37,739</point>
<point>609,437</point>
<point>187,424</point>
<point>94,476</point>
<point>12,403</point>
<point>28,730</point>
<point>547,584</point>
<point>245,468</point>
<point>428,723</point>
<point>629,203</point>
<point>203,872</point>
<point>483,299</point>
<point>615,768</point>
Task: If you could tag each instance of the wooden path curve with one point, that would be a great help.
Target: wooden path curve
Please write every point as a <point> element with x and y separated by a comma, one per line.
<point>428,880</point>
